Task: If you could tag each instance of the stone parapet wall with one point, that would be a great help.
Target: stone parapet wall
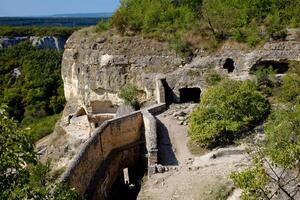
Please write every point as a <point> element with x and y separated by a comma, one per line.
<point>151,140</point>
<point>112,147</point>
<point>111,135</point>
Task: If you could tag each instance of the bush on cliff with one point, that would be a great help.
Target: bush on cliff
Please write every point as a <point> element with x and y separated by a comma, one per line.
<point>289,91</point>
<point>225,109</point>
<point>242,20</point>
<point>129,94</point>
<point>148,16</point>
<point>277,156</point>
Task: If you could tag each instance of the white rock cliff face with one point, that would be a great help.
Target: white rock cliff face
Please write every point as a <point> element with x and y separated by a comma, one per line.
<point>46,42</point>
<point>95,66</point>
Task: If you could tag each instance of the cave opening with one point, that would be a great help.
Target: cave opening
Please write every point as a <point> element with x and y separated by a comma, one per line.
<point>129,181</point>
<point>279,67</point>
<point>229,65</point>
<point>190,95</point>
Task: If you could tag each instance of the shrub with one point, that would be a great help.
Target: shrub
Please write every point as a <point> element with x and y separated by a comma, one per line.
<point>162,19</point>
<point>283,136</point>
<point>289,92</point>
<point>277,156</point>
<point>266,81</point>
<point>102,26</point>
<point>129,94</point>
<point>21,175</point>
<point>224,110</point>
<point>212,77</point>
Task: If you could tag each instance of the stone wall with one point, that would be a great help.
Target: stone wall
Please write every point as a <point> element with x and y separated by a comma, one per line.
<point>151,141</point>
<point>108,138</point>
<point>115,145</point>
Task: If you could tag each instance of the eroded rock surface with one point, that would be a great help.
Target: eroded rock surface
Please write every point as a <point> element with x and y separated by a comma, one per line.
<point>96,65</point>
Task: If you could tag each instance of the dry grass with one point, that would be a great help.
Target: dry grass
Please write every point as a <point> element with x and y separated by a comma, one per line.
<point>220,191</point>
<point>196,149</point>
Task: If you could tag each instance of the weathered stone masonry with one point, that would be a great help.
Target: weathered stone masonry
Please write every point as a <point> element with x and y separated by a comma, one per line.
<point>112,147</point>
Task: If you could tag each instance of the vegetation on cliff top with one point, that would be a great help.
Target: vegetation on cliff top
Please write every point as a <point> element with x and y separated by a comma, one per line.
<point>189,23</point>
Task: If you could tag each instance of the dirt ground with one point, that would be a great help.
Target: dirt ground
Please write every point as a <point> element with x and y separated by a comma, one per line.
<point>191,177</point>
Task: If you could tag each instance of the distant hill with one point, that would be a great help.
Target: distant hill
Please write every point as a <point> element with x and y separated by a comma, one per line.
<point>84,15</point>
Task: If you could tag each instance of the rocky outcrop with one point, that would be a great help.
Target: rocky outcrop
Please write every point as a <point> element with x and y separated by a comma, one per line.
<point>7,42</point>
<point>95,66</point>
<point>46,42</point>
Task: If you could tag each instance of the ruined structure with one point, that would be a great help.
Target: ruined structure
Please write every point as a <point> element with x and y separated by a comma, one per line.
<point>95,146</point>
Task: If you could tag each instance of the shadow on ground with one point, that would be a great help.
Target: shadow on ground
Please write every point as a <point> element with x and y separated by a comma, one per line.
<point>166,154</point>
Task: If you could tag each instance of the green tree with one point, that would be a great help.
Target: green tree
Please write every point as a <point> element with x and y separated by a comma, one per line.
<point>266,80</point>
<point>276,161</point>
<point>31,84</point>
<point>21,175</point>
<point>289,92</point>
<point>224,110</point>
<point>16,152</point>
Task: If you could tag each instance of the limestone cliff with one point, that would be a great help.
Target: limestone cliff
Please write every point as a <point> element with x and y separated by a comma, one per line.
<point>96,65</point>
<point>46,42</point>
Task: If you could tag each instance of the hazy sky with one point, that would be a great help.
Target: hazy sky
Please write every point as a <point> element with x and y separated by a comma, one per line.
<point>49,7</point>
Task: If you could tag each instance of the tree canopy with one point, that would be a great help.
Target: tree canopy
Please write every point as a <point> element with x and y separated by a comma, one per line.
<point>224,110</point>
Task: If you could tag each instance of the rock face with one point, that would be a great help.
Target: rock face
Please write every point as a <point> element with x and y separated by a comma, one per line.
<point>46,42</point>
<point>95,66</point>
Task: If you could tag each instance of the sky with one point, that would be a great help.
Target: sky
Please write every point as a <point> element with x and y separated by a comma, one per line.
<point>9,8</point>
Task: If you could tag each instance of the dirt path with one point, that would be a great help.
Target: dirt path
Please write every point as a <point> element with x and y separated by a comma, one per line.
<point>189,177</point>
<point>172,142</point>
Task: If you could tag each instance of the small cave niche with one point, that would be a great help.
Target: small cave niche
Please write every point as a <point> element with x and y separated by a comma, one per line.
<point>100,107</point>
<point>279,67</point>
<point>229,65</point>
<point>190,95</point>
<point>80,112</point>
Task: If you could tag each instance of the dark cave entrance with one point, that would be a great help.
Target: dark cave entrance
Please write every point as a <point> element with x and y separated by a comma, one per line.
<point>190,95</point>
<point>229,65</point>
<point>127,187</point>
<point>280,67</point>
